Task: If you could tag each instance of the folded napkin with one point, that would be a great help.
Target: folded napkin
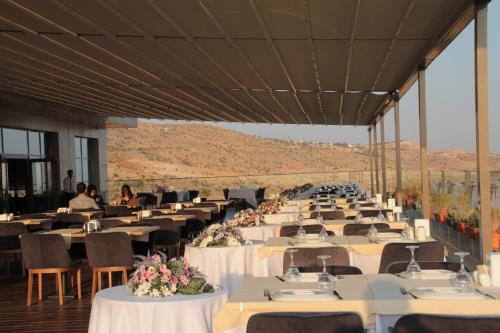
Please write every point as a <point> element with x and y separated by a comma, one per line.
<point>445,293</point>
<point>432,274</point>
<point>297,295</point>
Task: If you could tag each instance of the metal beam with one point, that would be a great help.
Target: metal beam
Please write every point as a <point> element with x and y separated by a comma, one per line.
<point>482,125</point>
<point>424,177</point>
<point>370,154</point>
<point>375,154</point>
<point>382,157</point>
<point>397,143</point>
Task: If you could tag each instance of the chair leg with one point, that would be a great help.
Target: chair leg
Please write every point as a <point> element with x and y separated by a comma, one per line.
<point>71,280</point>
<point>79,282</point>
<point>110,279</point>
<point>60,287</point>
<point>22,266</point>
<point>94,282</point>
<point>124,277</point>
<point>30,287</point>
<point>99,280</point>
<point>40,281</point>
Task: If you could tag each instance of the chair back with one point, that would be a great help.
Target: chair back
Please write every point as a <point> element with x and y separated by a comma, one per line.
<point>427,251</point>
<point>334,270</point>
<point>193,194</point>
<point>71,218</point>
<point>299,322</point>
<point>374,212</point>
<point>226,193</point>
<point>110,223</point>
<point>9,235</point>
<point>147,199</point>
<point>291,230</point>
<point>306,257</point>
<point>108,249</point>
<point>352,229</point>
<point>329,215</point>
<point>166,238</point>
<point>423,323</point>
<point>44,251</point>
<point>169,197</point>
<point>364,232</point>
<point>115,211</point>
<point>400,266</point>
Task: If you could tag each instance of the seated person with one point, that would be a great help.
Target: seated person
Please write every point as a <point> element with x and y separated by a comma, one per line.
<point>128,198</point>
<point>82,201</point>
<point>92,193</point>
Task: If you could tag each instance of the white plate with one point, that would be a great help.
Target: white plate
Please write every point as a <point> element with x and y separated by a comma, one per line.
<point>445,293</point>
<point>295,295</point>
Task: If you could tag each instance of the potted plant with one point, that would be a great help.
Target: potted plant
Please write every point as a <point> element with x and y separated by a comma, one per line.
<point>440,203</point>
<point>472,228</point>
<point>457,217</point>
<point>495,238</point>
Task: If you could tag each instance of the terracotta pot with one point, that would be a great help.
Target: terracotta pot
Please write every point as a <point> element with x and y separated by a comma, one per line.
<point>468,230</point>
<point>440,217</point>
<point>460,226</point>
<point>475,233</point>
<point>495,240</point>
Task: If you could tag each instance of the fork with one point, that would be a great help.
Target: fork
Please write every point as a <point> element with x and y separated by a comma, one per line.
<point>267,294</point>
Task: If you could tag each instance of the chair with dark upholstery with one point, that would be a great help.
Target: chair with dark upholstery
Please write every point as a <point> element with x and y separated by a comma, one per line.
<point>116,211</point>
<point>364,232</point>
<point>147,199</point>
<point>168,241</point>
<point>193,194</point>
<point>334,270</point>
<point>110,223</point>
<point>352,229</point>
<point>424,323</point>
<point>47,254</point>
<point>226,193</point>
<point>140,247</point>
<point>299,322</point>
<point>108,252</point>
<point>329,215</point>
<point>192,228</point>
<point>400,266</point>
<point>427,251</point>
<point>291,230</point>
<point>168,197</point>
<point>216,217</point>
<point>374,212</point>
<point>307,257</point>
<point>367,204</point>
<point>10,245</point>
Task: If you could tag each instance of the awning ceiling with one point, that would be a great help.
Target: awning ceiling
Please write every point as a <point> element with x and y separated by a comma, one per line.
<point>280,61</point>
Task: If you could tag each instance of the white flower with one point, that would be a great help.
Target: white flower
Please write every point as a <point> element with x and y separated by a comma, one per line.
<point>248,242</point>
<point>204,242</point>
<point>214,227</point>
<point>142,289</point>
<point>231,241</point>
<point>166,292</point>
<point>155,293</point>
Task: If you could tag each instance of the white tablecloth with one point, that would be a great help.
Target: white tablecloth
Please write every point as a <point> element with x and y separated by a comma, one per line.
<point>280,218</point>
<point>261,232</point>
<point>244,193</point>
<point>115,310</point>
<point>228,266</point>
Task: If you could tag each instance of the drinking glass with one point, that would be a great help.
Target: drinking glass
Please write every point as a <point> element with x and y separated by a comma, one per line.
<point>413,267</point>
<point>292,274</point>
<point>463,279</point>
<point>323,235</point>
<point>372,233</point>
<point>358,218</point>
<point>325,279</point>
<point>381,216</point>
<point>301,232</point>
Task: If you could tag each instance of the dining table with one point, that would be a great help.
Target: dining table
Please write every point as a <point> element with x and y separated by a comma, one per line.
<point>116,310</point>
<point>379,299</point>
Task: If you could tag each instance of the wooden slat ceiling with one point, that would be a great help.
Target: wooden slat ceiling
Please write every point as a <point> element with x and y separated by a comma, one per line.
<point>281,61</point>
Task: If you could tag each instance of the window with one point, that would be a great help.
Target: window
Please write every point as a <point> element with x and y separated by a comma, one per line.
<point>85,160</point>
<point>34,144</point>
<point>15,141</point>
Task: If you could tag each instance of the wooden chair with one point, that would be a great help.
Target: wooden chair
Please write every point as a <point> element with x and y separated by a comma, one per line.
<point>427,251</point>
<point>9,241</point>
<point>418,323</point>
<point>108,252</point>
<point>47,254</point>
<point>352,229</point>
<point>307,257</point>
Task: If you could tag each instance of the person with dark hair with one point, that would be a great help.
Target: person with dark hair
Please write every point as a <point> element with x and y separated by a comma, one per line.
<point>92,193</point>
<point>82,201</point>
<point>128,198</point>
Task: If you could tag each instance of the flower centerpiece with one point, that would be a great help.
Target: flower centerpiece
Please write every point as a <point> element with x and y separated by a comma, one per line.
<point>270,206</point>
<point>220,235</point>
<point>246,218</point>
<point>158,277</point>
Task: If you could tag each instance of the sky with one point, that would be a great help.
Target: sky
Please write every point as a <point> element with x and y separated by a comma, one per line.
<point>450,102</point>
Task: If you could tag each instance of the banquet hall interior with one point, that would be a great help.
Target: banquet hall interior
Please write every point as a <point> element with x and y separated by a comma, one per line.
<point>379,248</point>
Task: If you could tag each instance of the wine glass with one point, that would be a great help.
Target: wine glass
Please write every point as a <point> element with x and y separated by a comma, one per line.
<point>413,267</point>
<point>325,279</point>
<point>372,233</point>
<point>380,216</point>
<point>463,280</point>
<point>301,232</point>
<point>358,218</point>
<point>292,274</point>
<point>323,235</point>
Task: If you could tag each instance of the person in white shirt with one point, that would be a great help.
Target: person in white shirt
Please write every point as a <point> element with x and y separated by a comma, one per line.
<point>82,201</point>
<point>69,183</point>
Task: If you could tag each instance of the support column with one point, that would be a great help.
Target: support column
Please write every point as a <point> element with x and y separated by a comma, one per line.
<point>482,127</point>
<point>370,154</point>
<point>375,154</point>
<point>424,178</point>
<point>382,157</point>
<point>397,142</point>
